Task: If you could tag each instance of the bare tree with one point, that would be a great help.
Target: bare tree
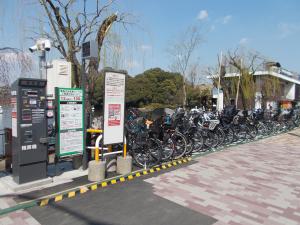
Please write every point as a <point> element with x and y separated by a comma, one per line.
<point>70,27</point>
<point>182,51</point>
<point>13,63</point>
<point>245,64</point>
<point>241,65</point>
<point>194,74</point>
<point>113,51</point>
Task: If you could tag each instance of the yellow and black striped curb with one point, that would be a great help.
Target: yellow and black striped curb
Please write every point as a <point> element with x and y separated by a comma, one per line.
<point>102,184</point>
<point>71,193</point>
<point>119,179</point>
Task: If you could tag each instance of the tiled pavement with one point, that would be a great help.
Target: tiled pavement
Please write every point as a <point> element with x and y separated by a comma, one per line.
<point>255,183</point>
<point>20,217</point>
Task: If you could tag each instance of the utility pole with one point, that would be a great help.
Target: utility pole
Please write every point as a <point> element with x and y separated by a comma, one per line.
<point>42,64</point>
<point>89,50</point>
<point>83,86</point>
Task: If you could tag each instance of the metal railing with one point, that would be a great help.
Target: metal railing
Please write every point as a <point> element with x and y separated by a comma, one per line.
<point>99,151</point>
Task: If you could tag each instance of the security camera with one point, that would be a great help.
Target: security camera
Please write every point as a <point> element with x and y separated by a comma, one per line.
<point>47,44</point>
<point>33,48</point>
<point>41,45</point>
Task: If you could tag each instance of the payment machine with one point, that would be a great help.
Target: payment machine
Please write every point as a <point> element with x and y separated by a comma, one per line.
<point>29,130</point>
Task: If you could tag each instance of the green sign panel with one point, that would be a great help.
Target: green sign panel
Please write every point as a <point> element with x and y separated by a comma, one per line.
<point>70,106</point>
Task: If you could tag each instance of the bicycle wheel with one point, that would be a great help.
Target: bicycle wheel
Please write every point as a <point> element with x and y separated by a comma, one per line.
<point>210,138</point>
<point>168,148</point>
<point>241,132</point>
<point>229,135</point>
<point>194,142</point>
<point>252,131</point>
<point>261,129</point>
<point>148,154</point>
<point>197,142</point>
<point>180,143</point>
<point>189,145</point>
<point>221,136</point>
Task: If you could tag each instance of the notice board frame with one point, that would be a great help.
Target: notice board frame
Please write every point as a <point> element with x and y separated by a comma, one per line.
<point>80,100</point>
<point>107,134</point>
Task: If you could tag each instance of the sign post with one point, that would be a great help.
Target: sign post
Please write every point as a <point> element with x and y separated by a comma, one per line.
<point>114,107</point>
<point>89,50</point>
<point>70,118</point>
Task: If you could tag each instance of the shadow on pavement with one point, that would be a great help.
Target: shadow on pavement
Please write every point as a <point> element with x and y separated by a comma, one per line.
<point>296,135</point>
<point>131,203</point>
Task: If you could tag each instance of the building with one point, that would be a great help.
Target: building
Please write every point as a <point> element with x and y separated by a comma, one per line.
<point>274,87</point>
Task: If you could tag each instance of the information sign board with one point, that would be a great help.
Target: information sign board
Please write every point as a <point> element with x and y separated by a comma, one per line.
<point>114,107</point>
<point>70,106</point>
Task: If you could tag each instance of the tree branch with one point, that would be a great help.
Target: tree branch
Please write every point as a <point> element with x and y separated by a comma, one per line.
<point>63,50</point>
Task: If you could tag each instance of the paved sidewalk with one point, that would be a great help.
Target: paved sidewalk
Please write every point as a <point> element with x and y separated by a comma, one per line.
<point>20,217</point>
<point>252,184</point>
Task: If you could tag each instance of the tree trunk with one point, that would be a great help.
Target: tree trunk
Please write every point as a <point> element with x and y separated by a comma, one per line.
<point>184,94</point>
<point>244,100</point>
<point>75,71</point>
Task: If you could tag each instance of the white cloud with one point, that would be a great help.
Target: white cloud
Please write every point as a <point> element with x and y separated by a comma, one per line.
<point>226,19</point>
<point>287,29</point>
<point>244,41</point>
<point>146,47</point>
<point>202,15</point>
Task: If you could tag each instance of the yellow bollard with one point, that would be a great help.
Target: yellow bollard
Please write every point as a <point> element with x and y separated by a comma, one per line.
<point>124,150</point>
<point>94,131</point>
<point>97,154</point>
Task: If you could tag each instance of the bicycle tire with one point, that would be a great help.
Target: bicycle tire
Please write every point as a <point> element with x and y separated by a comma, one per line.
<point>180,144</point>
<point>148,155</point>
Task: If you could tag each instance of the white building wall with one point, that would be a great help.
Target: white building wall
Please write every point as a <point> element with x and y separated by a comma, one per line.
<point>59,75</point>
<point>289,91</point>
<point>258,100</point>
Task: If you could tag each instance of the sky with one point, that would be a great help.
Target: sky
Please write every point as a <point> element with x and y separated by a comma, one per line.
<point>270,27</point>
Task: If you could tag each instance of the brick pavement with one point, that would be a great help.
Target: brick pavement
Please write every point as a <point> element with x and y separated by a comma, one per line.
<point>255,183</point>
<point>20,217</point>
<point>251,184</point>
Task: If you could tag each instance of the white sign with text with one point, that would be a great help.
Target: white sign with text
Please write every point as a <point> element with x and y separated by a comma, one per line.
<point>114,107</point>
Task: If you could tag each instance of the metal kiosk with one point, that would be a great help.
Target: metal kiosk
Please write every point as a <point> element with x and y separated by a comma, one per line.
<point>29,130</point>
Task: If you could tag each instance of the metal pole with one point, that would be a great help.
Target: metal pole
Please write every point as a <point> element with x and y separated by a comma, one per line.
<point>42,64</point>
<point>219,82</point>
<point>125,147</point>
<point>83,86</point>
